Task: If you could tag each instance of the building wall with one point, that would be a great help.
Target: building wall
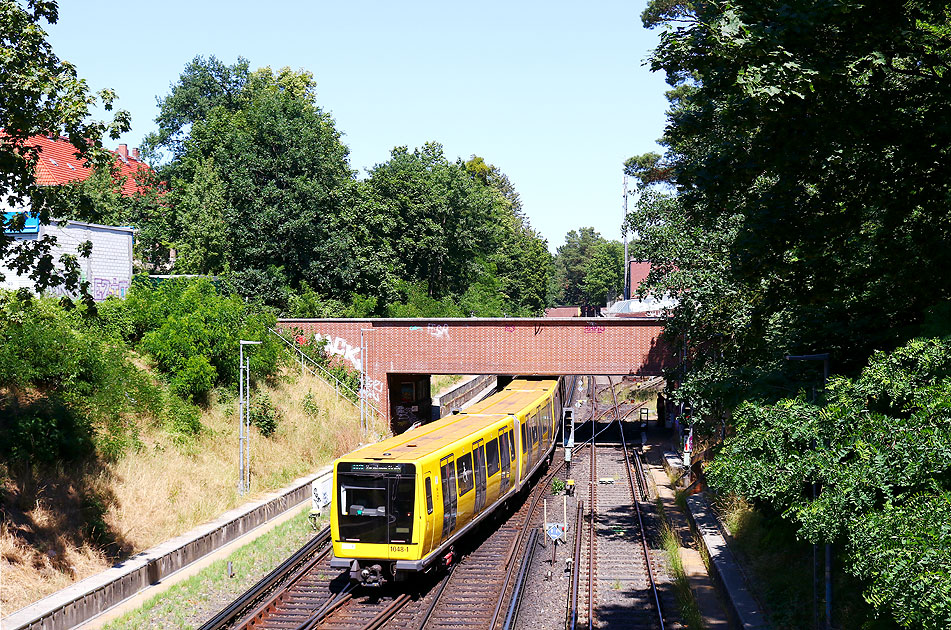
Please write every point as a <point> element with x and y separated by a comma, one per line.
<point>108,269</point>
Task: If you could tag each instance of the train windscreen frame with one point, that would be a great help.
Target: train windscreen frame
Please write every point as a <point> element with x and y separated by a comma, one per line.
<point>376,502</point>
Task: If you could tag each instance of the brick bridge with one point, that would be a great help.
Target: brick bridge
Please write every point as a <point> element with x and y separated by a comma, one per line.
<point>398,352</point>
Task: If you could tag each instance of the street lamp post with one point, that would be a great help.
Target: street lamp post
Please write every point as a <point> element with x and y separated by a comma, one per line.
<point>244,417</point>
<point>824,357</point>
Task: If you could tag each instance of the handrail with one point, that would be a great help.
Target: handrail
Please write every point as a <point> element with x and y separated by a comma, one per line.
<point>337,382</point>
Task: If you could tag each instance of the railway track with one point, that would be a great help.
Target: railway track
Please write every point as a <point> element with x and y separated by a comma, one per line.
<point>305,594</point>
<point>481,590</point>
<point>619,586</point>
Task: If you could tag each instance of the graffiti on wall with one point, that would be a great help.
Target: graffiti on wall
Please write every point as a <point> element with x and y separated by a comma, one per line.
<point>373,390</point>
<point>438,331</point>
<point>338,346</point>
<point>107,287</point>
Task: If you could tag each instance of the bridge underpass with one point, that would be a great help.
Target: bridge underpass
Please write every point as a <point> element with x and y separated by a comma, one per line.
<point>396,352</point>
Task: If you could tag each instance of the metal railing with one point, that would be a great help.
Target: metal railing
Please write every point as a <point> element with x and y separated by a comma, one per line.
<point>325,375</point>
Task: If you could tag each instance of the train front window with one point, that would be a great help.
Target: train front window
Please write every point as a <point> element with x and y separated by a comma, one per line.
<point>375,506</point>
<point>363,503</point>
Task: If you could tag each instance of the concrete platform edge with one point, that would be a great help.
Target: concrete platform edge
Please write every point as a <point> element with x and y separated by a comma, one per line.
<point>742,607</point>
<point>87,598</point>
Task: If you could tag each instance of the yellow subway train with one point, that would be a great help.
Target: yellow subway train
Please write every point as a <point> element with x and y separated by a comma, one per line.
<point>398,506</point>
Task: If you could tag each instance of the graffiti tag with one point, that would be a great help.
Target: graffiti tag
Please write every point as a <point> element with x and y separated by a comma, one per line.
<point>106,287</point>
<point>338,346</point>
<point>439,331</point>
<point>373,390</point>
<point>590,328</point>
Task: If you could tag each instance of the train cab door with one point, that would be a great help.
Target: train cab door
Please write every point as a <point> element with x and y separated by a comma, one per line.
<point>429,496</point>
<point>447,471</point>
<point>478,452</point>
<point>525,440</point>
<point>504,461</point>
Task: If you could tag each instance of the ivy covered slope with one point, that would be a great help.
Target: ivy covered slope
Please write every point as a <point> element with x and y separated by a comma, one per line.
<point>880,451</point>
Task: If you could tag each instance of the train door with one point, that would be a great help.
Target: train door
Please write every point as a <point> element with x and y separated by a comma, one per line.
<point>536,436</point>
<point>478,450</point>
<point>526,441</point>
<point>546,425</point>
<point>430,499</point>
<point>448,473</point>
<point>504,461</point>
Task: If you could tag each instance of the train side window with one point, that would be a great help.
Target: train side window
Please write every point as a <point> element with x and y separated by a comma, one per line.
<point>524,439</point>
<point>503,446</point>
<point>535,427</point>
<point>492,457</point>
<point>464,474</point>
<point>511,440</point>
<point>429,495</point>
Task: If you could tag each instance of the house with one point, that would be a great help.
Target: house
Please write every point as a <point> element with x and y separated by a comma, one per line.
<point>109,268</point>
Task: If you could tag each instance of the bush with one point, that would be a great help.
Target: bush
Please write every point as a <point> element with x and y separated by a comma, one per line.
<point>192,332</point>
<point>263,414</point>
<point>67,390</point>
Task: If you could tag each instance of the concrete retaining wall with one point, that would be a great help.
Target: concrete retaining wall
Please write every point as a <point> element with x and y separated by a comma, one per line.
<point>464,392</point>
<point>84,600</point>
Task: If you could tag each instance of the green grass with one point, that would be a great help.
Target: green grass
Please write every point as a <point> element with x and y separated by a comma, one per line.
<point>188,605</point>
<point>687,605</point>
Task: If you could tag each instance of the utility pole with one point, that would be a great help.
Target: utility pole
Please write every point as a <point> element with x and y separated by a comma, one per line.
<point>627,264</point>
<point>244,417</point>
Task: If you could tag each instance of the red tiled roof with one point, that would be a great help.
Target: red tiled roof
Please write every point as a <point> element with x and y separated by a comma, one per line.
<point>58,164</point>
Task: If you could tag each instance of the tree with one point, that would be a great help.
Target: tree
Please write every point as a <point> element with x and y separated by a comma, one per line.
<point>572,263</point>
<point>42,94</point>
<point>804,176</point>
<point>522,262</point>
<point>201,204</point>
<point>604,276</point>
<point>880,452</point>
<point>259,171</point>
<point>441,218</point>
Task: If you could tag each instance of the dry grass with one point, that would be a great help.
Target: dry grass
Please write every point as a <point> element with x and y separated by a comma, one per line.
<point>440,383</point>
<point>164,489</point>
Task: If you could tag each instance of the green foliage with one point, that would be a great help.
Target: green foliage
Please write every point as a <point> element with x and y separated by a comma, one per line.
<point>191,331</point>
<point>801,181</point>
<point>557,486</point>
<point>66,388</point>
<point>295,229</point>
<point>880,453</point>
<point>263,414</point>
<point>418,302</point>
<point>309,405</point>
<point>588,269</point>
<point>42,95</point>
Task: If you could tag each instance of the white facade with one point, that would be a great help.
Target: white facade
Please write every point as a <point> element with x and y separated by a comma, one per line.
<point>108,269</point>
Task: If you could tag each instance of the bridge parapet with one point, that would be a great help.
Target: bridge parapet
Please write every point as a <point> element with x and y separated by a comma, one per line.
<point>524,346</point>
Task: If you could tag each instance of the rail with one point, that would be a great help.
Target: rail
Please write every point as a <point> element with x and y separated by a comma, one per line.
<point>326,375</point>
<point>640,522</point>
<point>517,594</point>
<point>256,592</point>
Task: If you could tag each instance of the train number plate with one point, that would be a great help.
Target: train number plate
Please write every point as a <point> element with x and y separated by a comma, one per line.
<point>397,549</point>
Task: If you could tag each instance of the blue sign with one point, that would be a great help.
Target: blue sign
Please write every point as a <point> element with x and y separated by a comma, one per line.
<point>31,226</point>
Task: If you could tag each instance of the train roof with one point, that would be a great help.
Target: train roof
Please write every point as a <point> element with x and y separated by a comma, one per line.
<point>429,438</point>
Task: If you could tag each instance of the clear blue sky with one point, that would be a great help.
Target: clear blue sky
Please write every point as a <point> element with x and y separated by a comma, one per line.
<point>555,94</point>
